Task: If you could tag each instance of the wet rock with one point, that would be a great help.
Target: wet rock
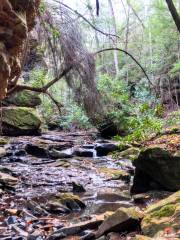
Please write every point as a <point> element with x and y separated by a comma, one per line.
<point>161,215</point>
<point>18,121</point>
<point>7,171</point>
<point>112,196</point>
<point>102,207</point>
<point>56,207</point>
<point>77,228</point>
<point>24,98</point>
<point>115,174</point>
<point>113,236</point>
<point>105,148</point>
<point>143,198</point>
<point>130,153</point>
<point>35,208</point>
<point>2,152</point>
<point>123,220</point>
<point>61,154</point>
<point>78,188</point>
<point>39,151</point>
<point>70,201</point>
<point>7,180</point>
<point>61,146</point>
<point>88,146</point>
<point>62,163</point>
<point>156,169</point>
<point>80,152</point>
<point>88,236</point>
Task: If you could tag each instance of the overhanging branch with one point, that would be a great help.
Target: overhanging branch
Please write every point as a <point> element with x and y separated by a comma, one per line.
<point>130,55</point>
<point>70,67</point>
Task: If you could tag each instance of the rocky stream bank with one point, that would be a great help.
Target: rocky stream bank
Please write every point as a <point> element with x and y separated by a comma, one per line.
<point>67,186</point>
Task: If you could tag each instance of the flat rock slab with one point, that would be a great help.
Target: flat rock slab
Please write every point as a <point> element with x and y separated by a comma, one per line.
<point>124,219</point>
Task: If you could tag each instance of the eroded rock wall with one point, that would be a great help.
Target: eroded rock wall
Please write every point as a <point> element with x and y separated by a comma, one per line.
<point>17,18</point>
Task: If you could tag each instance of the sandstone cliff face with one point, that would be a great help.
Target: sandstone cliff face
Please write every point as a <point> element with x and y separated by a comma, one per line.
<point>17,18</point>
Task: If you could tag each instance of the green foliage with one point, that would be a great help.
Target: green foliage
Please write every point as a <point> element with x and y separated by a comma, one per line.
<point>175,69</point>
<point>133,116</point>
<point>173,119</point>
<point>42,7</point>
<point>74,118</point>
<point>141,125</point>
<point>54,32</point>
<point>38,78</point>
<point>114,92</point>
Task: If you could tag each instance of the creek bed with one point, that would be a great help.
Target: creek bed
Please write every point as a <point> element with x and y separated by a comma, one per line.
<point>41,178</point>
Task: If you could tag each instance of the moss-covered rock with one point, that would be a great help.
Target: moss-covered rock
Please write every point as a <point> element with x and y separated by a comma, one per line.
<point>24,99</point>
<point>20,121</point>
<point>115,174</point>
<point>162,215</point>
<point>156,168</point>
<point>130,153</point>
<point>3,141</point>
<point>68,200</point>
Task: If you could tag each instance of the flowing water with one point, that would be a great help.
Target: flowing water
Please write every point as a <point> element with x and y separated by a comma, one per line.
<point>41,176</point>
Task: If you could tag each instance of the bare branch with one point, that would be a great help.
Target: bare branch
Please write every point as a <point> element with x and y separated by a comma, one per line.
<point>58,105</point>
<point>130,55</point>
<point>86,20</point>
<point>70,67</point>
<point>135,13</point>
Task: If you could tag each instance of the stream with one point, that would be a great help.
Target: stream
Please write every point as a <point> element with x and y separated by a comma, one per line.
<point>51,165</point>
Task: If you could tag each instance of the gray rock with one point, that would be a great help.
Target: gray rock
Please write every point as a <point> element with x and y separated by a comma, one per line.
<point>78,188</point>
<point>80,152</point>
<point>77,228</point>
<point>61,154</point>
<point>36,150</point>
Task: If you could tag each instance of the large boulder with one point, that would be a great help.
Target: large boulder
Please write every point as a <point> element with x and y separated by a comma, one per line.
<point>20,121</point>
<point>157,168</point>
<point>163,218</point>
<point>24,99</point>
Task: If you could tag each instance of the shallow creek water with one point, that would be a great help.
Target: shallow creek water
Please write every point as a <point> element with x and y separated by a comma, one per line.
<point>41,177</point>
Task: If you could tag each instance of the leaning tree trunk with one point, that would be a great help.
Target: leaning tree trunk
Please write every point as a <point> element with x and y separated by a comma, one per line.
<point>174,13</point>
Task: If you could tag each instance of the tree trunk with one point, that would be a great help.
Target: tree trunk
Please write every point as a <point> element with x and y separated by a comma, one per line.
<point>116,61</point>
<point>174,13</point>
